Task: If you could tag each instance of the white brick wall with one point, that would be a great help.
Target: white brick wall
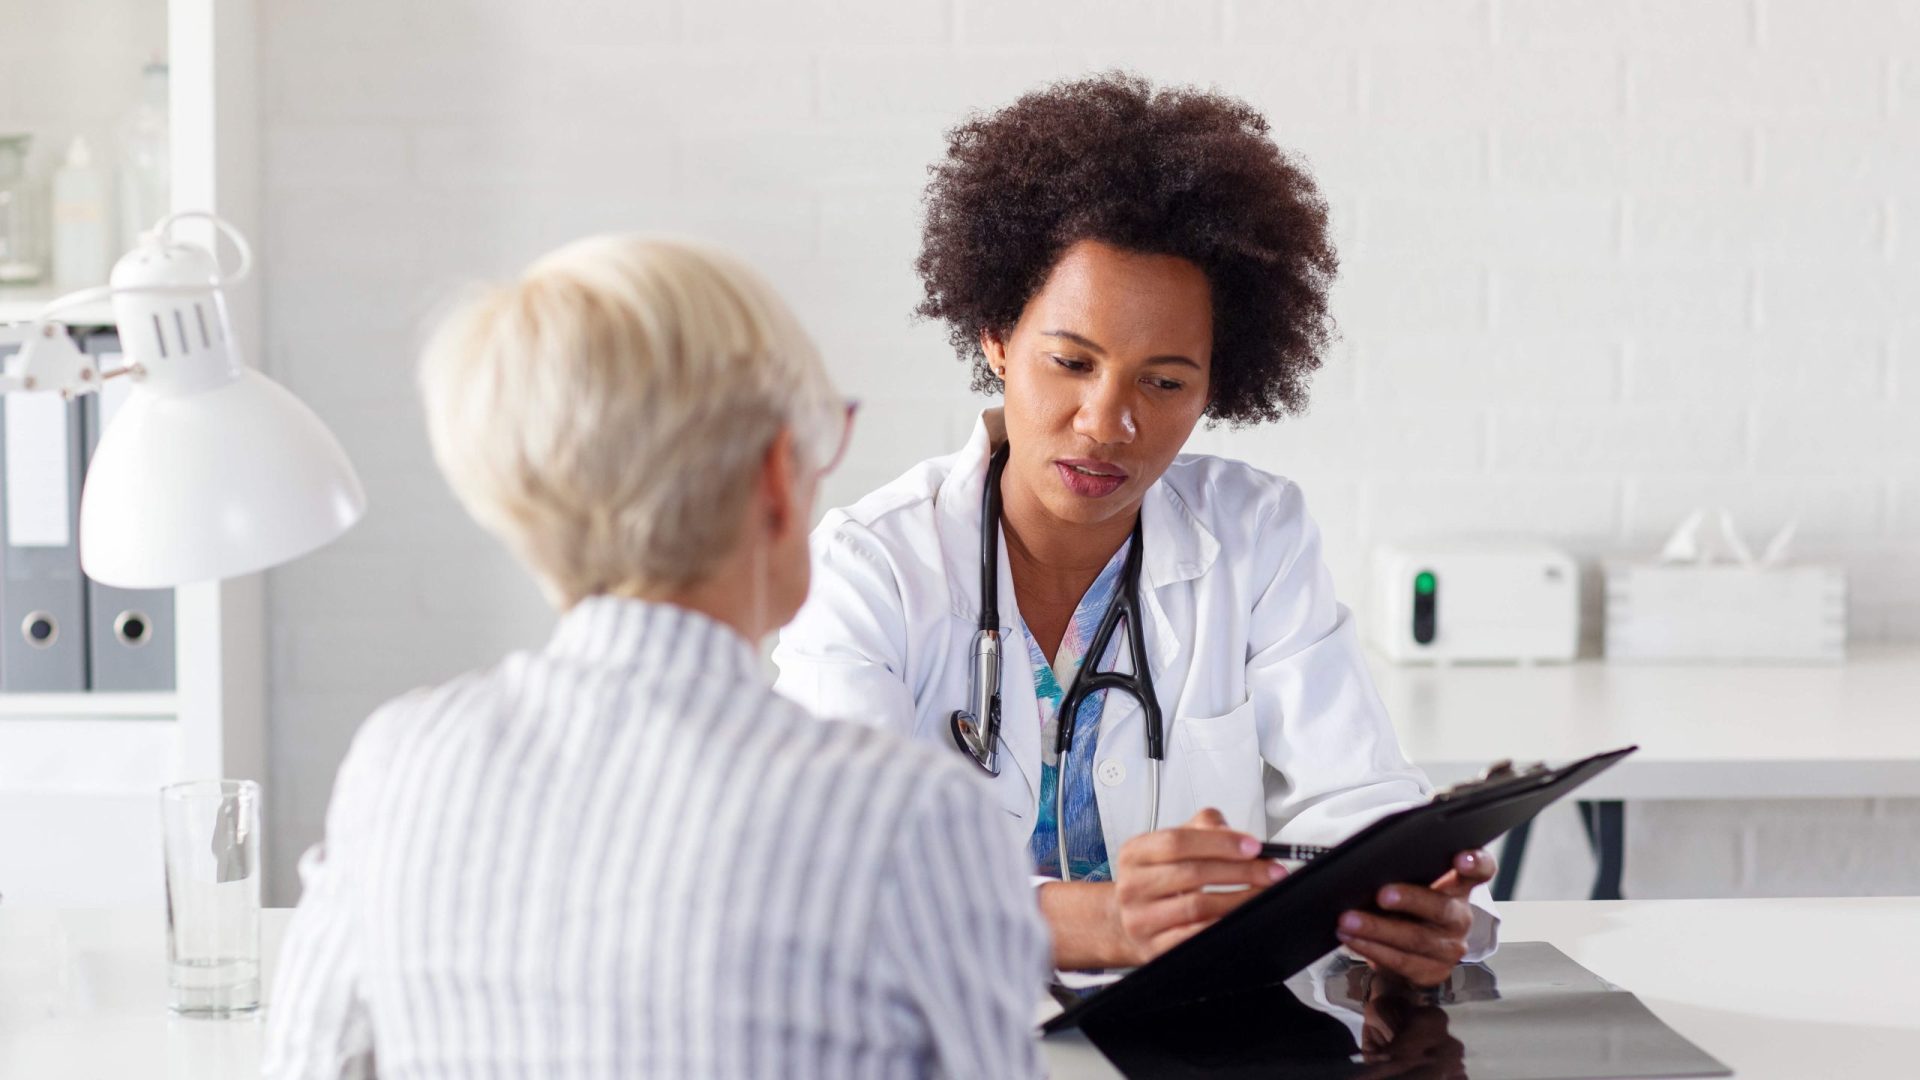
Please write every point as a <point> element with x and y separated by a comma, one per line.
<point>1603,261</point>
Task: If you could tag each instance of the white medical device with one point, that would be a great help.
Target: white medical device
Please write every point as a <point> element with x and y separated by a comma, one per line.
<point>1475,601</point>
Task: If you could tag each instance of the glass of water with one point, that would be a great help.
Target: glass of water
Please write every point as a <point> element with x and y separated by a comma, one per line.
<point>212,830</point>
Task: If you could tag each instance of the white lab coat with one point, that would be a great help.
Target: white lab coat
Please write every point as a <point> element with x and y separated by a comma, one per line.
<point>1271,714</point>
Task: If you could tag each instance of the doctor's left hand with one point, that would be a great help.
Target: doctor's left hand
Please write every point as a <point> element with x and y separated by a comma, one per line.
<point>1420,933</point>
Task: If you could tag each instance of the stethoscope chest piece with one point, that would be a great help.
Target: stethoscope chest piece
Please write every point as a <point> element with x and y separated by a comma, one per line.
<point>969,737</point>
<point>977,730</point>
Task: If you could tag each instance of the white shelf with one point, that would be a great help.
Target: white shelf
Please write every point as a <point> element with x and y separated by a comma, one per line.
<point>82,768</point>
<point>58,706</point>
<point>24,304</point>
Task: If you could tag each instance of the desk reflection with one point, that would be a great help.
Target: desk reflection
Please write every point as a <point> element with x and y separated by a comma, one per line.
<point>1529,1012</point>
<point>1344,1021</point>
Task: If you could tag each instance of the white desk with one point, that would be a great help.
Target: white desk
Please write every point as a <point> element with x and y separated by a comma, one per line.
<point>1849,730</point>
<point>1705,731</point>
<point>1784,989</point>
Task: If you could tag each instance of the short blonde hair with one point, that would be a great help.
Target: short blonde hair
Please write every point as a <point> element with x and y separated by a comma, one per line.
<point>606,414</point>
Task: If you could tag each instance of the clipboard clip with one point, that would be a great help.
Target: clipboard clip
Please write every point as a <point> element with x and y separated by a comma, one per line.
<point>1498,774</point>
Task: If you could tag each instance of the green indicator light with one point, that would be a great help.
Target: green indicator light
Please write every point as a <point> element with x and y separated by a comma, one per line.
<point>1423,583</point>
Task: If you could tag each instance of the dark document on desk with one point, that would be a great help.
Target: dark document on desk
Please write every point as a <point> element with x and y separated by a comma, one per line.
<point>1291,924</point>
<point>1528,1013</point>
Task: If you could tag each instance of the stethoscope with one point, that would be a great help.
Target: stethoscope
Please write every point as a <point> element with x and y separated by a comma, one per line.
<point>978,731</point>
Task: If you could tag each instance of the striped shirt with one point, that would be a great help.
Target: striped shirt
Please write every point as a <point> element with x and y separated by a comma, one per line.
<point>625,855</point>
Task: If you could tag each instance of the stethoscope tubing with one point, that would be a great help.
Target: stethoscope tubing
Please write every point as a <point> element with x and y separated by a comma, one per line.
<point>1124,606</point>
<point>978,732</point>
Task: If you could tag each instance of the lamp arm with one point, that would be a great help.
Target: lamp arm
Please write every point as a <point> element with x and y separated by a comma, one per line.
<point>16,333</point>
<point>48,360</point>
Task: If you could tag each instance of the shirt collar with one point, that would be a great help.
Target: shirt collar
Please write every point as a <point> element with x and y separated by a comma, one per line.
<point>618,632</point>
<point>1177,546</point>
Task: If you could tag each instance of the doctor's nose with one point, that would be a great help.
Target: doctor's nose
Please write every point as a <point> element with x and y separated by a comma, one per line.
<point>1106,415</point>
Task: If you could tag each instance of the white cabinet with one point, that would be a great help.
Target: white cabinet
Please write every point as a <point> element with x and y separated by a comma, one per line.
<point>78,811</point>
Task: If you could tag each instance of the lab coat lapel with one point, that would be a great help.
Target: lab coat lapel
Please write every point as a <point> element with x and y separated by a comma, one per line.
<point>1176,549</point>
<point>958,506</point>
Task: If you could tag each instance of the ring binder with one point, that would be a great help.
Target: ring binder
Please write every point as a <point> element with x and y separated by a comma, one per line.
<point>43,646</point>
<point>129,631</point>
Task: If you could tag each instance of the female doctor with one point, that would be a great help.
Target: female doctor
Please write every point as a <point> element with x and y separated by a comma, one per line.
<point>1120,262</point>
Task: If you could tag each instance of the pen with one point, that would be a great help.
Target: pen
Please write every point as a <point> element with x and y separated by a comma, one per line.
<point>1293,852</point>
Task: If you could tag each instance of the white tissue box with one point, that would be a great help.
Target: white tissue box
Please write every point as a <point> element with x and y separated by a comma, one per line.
<point>1717,611</point>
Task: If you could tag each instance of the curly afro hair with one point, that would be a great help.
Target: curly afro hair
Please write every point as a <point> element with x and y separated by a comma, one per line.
<point>1180,172</point>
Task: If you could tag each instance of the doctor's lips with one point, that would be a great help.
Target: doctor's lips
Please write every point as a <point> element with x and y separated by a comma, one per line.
<point>1089,477</point>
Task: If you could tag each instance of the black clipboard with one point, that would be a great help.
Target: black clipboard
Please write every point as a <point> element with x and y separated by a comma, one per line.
<point>1291,924</point>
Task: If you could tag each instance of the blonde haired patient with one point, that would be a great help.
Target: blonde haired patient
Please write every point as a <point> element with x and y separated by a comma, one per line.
<point>623,854</point>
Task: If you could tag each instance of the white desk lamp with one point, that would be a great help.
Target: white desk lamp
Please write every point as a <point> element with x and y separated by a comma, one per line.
<point>210,469</point>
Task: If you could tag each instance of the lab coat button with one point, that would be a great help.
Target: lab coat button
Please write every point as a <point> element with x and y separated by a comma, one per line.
<point>1111,772</point>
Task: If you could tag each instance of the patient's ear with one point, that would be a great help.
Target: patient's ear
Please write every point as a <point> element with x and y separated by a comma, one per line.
<point>779,492</point>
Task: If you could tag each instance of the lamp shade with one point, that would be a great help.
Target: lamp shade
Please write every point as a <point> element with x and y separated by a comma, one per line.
<point>209,468</point>
<point>189,484</point>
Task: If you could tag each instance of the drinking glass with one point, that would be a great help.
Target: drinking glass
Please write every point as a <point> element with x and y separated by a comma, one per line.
<point>212,830</point>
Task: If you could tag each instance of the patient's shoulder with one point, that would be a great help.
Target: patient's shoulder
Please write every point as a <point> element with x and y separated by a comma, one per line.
<point>432,709</point>
<point>396,736</point>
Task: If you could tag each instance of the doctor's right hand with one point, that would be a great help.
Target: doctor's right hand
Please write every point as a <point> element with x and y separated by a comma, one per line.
<point>1160,895</point>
